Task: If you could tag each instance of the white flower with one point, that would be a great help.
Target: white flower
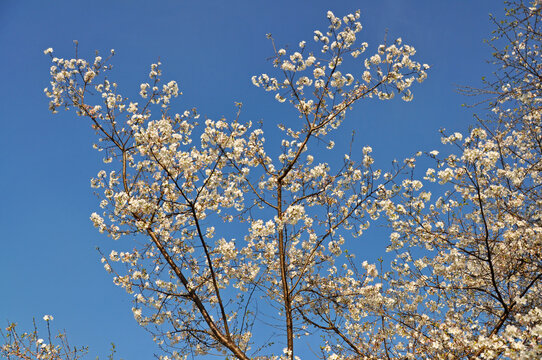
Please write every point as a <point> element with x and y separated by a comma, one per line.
<point>280,98</point>
<point>318,72</point>
<point>48,51</point>
<point>375,59</point>
<point>293,214</point>
<point>48,317</point>
<point>310,60</point>
<point>132,108</point>
<point>89,75</point>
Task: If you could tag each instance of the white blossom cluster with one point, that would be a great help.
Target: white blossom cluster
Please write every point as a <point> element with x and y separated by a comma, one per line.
<point>315,85</point>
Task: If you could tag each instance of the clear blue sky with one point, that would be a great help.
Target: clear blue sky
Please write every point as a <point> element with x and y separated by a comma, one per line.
<point>48,260</point>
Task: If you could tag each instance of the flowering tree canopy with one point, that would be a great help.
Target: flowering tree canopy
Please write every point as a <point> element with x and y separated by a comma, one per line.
<point>220,224</point>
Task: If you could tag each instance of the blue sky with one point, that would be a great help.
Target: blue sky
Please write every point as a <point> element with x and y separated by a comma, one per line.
<point>48,260</point>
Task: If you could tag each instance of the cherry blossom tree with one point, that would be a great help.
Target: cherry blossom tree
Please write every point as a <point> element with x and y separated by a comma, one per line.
<point>29,345</point>
<point>468,271</point>
<point>220,224</point>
